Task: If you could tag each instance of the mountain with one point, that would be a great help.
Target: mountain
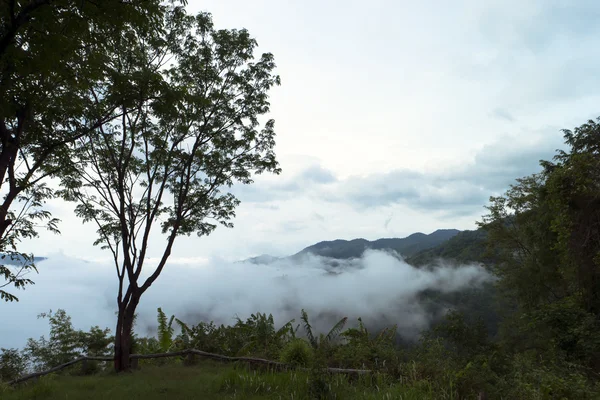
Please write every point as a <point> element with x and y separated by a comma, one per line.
<point>408,246</point>
<point>347,249</point>
<point>262,259</point>
<point>464,247</point>
<point>419,249</point>
<point>17,259</point>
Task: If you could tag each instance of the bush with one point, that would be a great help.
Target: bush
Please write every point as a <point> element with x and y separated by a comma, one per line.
<point>533,378</point>
<point>297,353</point>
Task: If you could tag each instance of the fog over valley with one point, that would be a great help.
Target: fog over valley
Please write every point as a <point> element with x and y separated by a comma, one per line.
<point>379,287</point>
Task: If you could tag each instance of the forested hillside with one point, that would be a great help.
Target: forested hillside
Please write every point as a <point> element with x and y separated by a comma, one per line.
<point>340,249</point>
<point>464,247</point>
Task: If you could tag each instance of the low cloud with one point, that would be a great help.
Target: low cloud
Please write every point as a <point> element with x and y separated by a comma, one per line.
<point>377,287</point>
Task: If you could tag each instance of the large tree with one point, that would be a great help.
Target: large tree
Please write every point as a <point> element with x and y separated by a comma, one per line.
<point>53,53</point>
<point>188,129</point>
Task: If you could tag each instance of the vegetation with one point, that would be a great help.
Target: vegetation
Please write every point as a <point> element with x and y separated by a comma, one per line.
<point>53,55</point>
<point>464,247</point>
<point>146,115</point>
<point>211,380</point>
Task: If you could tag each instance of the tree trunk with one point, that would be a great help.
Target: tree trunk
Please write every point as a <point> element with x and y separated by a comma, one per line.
<point>123,339</point>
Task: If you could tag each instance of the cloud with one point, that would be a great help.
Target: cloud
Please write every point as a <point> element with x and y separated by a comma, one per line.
<point>304,182</point>
<point>454,191</point>
<point>376,286</point>
<point>318,217</point>
<point>387,221</point>
<point>503,114</point>
<point>317,174</point>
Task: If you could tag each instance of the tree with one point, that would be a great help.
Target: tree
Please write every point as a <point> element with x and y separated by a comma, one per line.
<point>546,230</point>
<point>52,54</point>
<point>186,132</point>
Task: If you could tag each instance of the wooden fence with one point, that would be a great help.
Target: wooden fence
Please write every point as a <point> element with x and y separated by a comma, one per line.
<point>190,354</point>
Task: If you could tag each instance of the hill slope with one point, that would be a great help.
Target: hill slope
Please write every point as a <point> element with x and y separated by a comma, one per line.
<point>465,247</point>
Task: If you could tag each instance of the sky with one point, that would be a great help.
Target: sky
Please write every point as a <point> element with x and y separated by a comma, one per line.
<point>393,117</point>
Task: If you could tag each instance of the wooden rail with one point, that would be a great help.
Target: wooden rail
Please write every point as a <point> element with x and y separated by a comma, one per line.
<point>189,353</point>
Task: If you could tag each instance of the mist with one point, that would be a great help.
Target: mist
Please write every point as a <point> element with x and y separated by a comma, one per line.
<point>379,287</point>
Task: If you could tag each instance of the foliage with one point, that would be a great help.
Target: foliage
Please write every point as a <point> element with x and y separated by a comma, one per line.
<point>467,340</point>
<point>12,364</point>
<point>260,336</point>
<point>464,247</point>
<point>323,341</point>
<point>65,343</point>
<point>530,377</point>
<point>212,381</point>
<point>53,55</point>
<point>297,352</point>
<point>14,272</point>
<point>365,350</point>
<point>165,331</point>
<point>545,231</point>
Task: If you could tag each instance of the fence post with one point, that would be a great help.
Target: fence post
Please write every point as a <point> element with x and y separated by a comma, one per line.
<point>84,366</point>
<point>190,359</point>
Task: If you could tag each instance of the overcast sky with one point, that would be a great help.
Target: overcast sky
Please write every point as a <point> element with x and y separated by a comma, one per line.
<point>394,116</point>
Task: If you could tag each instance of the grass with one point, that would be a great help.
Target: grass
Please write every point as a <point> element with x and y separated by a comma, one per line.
<point>212,380</point>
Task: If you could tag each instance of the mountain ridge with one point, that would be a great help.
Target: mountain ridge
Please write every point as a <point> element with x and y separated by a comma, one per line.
<point>347,249</point>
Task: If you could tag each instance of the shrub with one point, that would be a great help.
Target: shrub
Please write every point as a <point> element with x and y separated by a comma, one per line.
<point>298,353</point>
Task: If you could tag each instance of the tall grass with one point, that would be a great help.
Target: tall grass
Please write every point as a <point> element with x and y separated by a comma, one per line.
<point>213,380</point>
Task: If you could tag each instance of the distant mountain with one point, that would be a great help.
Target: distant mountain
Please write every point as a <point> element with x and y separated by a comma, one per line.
<point>466,246</point>
<point>408,246</point>
<point>262,259</point>
<point>347,249</point>
<point>418,249</point>
<point>17,259</point>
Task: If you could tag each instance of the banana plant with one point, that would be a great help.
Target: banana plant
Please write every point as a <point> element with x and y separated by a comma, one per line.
<point>362,336</point>
<point>165,331</point>
<point>260,334</point>
<point>323,340</point>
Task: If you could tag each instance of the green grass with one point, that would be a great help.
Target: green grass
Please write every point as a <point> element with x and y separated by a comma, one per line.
<point>212,380</point>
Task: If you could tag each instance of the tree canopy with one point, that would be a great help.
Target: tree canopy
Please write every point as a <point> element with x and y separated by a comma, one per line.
<point>53,53</point>
<point>190,98</point>
<point>546,231</point>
